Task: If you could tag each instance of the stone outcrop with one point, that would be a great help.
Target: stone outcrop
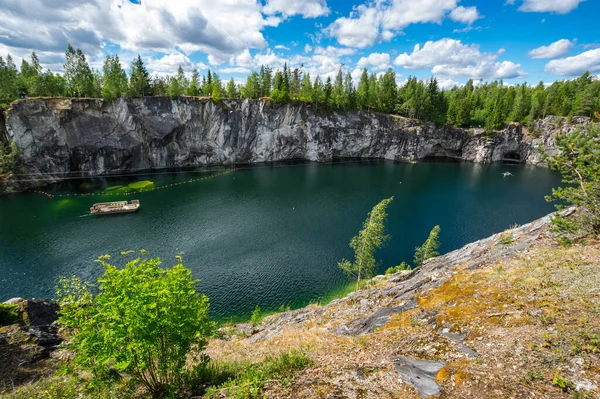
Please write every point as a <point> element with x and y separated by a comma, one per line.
<point>27,346</point>
<point>89,137</point>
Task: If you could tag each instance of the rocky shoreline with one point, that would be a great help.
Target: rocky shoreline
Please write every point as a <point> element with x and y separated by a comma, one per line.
<point>61,137</point>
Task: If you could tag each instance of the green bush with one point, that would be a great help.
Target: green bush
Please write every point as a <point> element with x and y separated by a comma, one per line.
<point>144,321</point>
<point>256,316</point>
<point>8,314</point>
<point>247,381</point>
<point>396,269</point>
<point>579,164</point>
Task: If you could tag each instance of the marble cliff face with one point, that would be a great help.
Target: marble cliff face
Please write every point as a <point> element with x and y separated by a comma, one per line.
<point>98,137</point>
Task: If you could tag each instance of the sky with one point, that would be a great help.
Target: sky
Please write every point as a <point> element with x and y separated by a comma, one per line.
<point>454,40</point>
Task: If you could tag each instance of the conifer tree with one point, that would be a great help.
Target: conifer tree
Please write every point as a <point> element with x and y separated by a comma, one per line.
<point>369,239</point>
<point>139,79</point>
<point>430,247</point>
<point>362,91</point>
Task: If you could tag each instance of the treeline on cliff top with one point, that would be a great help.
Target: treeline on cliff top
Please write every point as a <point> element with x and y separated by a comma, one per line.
<point>479,104</point>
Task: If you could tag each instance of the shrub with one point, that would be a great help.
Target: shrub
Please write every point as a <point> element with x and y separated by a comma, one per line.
<point>247,381</point>
<point>506,238</point>
<point>256,316</point>
<point>579,165</point>
<point>396,269</point>
<point>144,321</point>
<point>8,314</point>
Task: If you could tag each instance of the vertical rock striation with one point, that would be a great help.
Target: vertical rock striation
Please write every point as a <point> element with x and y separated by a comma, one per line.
<point>95,137</point>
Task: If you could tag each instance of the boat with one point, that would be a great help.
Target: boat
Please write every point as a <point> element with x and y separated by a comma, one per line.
<point>506,174</point>
<point>108,208</point>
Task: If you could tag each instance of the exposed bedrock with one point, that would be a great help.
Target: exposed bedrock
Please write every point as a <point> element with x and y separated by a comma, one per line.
<point>59,135</point>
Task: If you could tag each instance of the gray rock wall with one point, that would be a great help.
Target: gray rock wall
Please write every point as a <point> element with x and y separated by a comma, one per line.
<point>101,137</point>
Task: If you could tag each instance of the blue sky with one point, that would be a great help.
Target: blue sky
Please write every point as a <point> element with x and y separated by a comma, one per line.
<point>454,40</point>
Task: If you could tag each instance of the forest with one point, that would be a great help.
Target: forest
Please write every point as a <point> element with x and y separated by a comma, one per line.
<point>490,105</point>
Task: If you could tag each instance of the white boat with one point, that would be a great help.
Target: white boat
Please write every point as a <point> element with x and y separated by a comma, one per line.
<point>107,208</point>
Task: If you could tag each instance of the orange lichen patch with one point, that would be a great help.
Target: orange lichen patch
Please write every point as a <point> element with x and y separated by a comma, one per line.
<point>444,374</point>
<point>454,373</point>
<point>406,320</point>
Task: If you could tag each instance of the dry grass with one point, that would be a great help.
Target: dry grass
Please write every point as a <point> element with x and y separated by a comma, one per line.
<point>530,319</point>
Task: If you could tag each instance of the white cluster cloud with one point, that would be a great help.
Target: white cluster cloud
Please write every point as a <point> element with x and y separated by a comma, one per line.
<point>452,58</point>
<point>322,61</point>
<point>170,62</point>
<point>576,65</point>
<point>384,19</point>
<point>466,15</point>
<point>288,8</point>
<point>554,50</point>
<point>557,6</point>
<point>218,28</point>
<point>375,61</point>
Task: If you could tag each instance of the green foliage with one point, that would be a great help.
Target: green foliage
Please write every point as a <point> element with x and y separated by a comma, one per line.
<point>8,314</point>
<point>247,381</point>
<point>430,247</point>
<point>369,239</point>
<point>563,383</point>
<point>114,79</point>
<point>69,387</point>
<point>9,158</point>
<point>139,79</point>
<point>491,104</point>
<point>144,321</point>
<point>256,316</point>
<point>78,74</point>
<point>506,238</point>
<point>395,269</point>
<point>578,162</point>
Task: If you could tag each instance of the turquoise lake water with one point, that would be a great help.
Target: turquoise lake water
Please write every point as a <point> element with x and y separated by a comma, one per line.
<point>269,235</point>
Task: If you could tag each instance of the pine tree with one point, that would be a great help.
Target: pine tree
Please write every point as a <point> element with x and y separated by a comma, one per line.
<point>139,80</point>
<point>362,92</point>
<point>295,84</point>
<point>285,87</point>
<point>317,92</point>
<point>194,86</point>
<point>306,88</point>
<point>389,91</point>
<point>231,89</point>
<point>338,90</point>
<point>349,98</point>
<point>430,247</point>
<point>373,94</point>
<point>328,91</point>
<point>369,239</point>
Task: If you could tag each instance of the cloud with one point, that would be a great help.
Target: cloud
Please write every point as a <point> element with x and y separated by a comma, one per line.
<point>361,29</point>
<point>554,50</point>
<point>452,58</point>
<point>170,63</point>
<point>282,47</point>
<point>377,61</point>
<point>307,48</point>
<point>447,84</point>
<point>288,8</point>
<point>576,65</point>
<point>557,6</point>
<point>466,15</point>
<point>384,19</point>
<point>234,70</point>
<point>218,28</point>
